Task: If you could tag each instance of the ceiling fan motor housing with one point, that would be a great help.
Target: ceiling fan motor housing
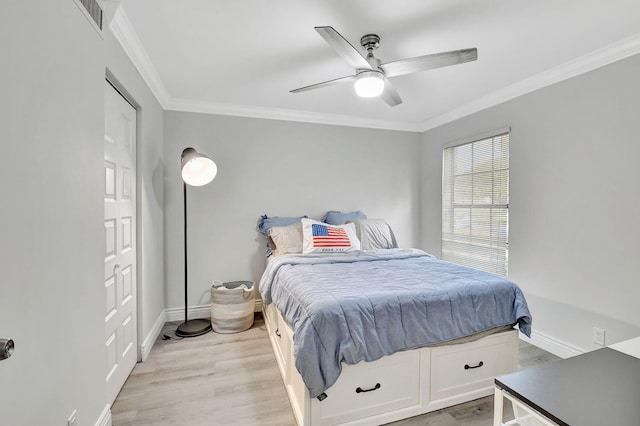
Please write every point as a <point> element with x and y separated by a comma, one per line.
<point>370,41</point>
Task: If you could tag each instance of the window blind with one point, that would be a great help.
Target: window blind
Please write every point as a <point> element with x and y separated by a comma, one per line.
<point>475,204</point>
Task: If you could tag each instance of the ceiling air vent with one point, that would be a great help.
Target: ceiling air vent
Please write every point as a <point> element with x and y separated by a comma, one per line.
<point>94,11</point>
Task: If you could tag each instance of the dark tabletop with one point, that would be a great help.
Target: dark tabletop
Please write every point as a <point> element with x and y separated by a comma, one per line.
<point>598,388</point>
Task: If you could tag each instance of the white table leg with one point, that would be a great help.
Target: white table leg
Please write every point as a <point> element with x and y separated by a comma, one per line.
<point>498,405</point>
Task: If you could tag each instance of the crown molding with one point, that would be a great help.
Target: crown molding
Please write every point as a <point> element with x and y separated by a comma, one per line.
<point>124,33</point>
<point>589,62</point>
<point>187,105</point>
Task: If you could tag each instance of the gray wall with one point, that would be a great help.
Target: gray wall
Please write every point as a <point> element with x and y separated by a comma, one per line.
<point>52,299</point>
<point>277,168</point>
<point>575,203</point>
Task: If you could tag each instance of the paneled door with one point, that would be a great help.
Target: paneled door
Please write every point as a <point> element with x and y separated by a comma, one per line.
<point>121,338</point>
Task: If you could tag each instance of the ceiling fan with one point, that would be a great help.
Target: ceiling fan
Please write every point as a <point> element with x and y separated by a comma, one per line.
<point>371,76</point>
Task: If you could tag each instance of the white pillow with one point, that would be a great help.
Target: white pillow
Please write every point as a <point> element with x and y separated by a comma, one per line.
<point>286,239</point>
<point>319,237</point>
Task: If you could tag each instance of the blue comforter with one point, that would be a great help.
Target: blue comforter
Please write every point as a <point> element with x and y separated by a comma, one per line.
<point>364,305</point>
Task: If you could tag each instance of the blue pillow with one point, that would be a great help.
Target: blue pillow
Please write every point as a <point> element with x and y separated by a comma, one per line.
<point>265,223</point>
<point>334,217</point>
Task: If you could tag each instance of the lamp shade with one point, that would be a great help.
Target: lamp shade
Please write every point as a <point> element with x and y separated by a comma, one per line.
<point>369,84</point>
<point>197,168</point>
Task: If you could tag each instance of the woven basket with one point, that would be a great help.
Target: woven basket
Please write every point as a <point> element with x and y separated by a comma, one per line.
<point>232,306</point>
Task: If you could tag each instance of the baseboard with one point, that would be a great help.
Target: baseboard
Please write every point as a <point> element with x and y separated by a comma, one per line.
<point>105,417</point>
<point>150,339</point>
<point>177,314</point>
<point>553,345</point>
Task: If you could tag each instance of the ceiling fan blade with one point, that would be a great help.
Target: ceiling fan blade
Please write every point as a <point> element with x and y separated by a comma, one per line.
<point>390,95</point>
<point>324,84</point>
<point>343,47</point>
<point>428,62</point>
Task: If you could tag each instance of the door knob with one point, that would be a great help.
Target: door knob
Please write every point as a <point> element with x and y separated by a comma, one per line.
<point>6,348</point>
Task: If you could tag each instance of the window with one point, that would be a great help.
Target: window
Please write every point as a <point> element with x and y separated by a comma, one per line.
<point>475,204</point>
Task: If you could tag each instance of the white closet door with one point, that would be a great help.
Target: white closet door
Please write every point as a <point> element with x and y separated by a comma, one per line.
<point>121,338</point>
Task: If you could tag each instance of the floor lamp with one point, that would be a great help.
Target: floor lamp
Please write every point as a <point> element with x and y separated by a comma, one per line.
<point>197,170</point>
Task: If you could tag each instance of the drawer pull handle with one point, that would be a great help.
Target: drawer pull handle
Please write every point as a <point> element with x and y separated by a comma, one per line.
<point>360,390</point>
<point>467,366</point>
<point>278,333</point>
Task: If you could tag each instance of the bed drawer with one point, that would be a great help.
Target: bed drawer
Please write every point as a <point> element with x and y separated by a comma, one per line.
<point>370,388</point>
<point>456,369</point>
<point>282,336</point>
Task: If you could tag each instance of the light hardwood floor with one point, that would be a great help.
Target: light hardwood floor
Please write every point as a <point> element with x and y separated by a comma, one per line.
<point>233,379</point>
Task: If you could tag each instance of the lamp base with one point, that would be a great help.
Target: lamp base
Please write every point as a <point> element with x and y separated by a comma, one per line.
<point>193,328</point>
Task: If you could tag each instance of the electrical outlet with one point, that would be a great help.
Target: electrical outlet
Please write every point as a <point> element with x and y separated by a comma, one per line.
<point>73,419</point>
<point>598,336</point>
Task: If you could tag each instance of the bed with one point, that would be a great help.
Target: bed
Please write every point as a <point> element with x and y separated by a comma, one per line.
<point>369,333</point>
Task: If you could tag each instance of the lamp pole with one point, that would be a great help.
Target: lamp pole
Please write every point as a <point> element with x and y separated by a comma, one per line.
<point>186,299</point>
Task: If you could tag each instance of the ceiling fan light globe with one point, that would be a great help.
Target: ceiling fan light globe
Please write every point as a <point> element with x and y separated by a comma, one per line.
<point>369,84</point>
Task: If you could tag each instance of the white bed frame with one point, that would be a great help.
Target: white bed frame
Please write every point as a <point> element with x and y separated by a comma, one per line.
<point>398,386</point>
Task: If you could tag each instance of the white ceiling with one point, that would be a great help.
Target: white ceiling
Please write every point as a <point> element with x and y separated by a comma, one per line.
<point>242,57</point>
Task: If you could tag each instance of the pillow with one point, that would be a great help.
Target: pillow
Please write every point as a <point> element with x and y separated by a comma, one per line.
<point>286,239</point>
<point>375,234</point>
<point>319,237</point>
<point>265,223</point>
<point>334,217</point>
